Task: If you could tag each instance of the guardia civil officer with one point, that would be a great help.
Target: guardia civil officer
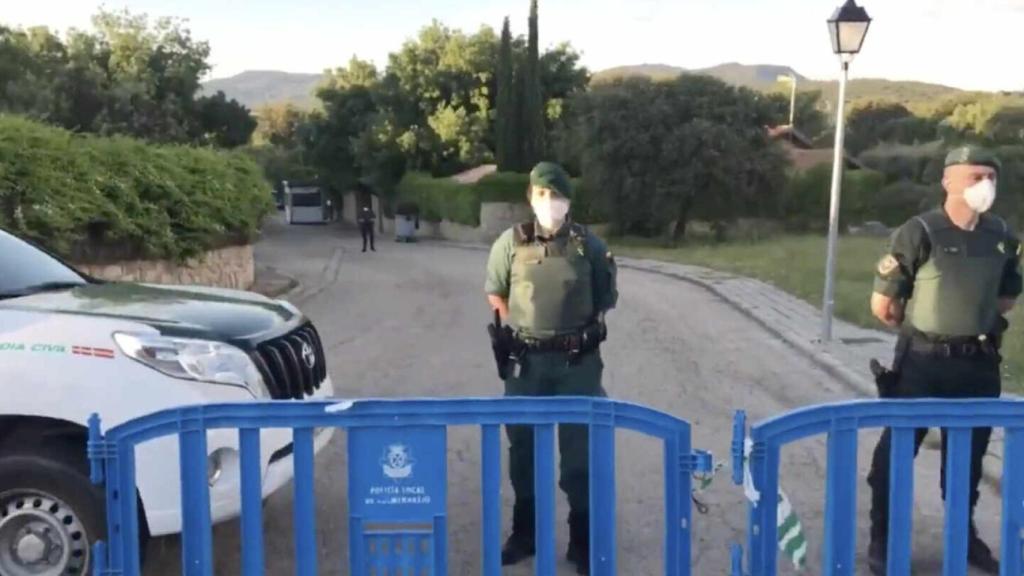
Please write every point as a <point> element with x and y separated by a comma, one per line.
<point>552,281</point>
<point>949,277</point>
<point>366,219</point>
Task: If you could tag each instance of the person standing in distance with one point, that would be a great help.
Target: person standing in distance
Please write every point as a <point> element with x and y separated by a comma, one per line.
<point>366,220</point>
<point>552,281</point>
<point>949,278</point>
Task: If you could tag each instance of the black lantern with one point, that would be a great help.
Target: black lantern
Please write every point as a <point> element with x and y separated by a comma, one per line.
<point>848,27</point>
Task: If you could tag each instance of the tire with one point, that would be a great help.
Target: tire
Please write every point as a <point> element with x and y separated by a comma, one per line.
<point>49,506</point>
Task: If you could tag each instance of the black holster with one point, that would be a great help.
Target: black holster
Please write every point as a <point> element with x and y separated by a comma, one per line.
<point>886,379</point>
<point>503,345</point>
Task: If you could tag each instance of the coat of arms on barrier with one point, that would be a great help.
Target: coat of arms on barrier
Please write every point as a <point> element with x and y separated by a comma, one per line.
<point>397,462</point>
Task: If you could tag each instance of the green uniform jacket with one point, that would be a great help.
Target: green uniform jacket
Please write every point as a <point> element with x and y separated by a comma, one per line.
<point>951,278</point>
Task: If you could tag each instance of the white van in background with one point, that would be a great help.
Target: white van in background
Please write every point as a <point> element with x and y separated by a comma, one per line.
<point>304,204</point>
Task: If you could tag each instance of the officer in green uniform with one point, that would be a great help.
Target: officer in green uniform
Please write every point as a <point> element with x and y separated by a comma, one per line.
<point>949,278</point>
<point>552,281</point>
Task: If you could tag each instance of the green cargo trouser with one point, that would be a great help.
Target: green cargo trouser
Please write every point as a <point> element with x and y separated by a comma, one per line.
<point>547,374</point>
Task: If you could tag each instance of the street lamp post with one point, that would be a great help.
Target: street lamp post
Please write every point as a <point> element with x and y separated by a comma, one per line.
<point>848,26</point>
<point>791,78</point>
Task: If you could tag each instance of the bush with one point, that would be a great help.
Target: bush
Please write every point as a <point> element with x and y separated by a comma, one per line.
<point>1010,198</point>
<point>916,172</point>
<point>808,194</point>
<point>902,162</point>
<point>503,187</point>
<point>281,164</point>
<point>898,201</point>
<point>587,208</point>
<point>441,198</point>
<point>64,191</point>
<point>805,198</point>
<point>861,194</point>
<point>445,199</point>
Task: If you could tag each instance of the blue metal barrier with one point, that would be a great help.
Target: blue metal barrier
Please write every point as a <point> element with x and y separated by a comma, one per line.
<point>397,516</point>
<point>841,422</point>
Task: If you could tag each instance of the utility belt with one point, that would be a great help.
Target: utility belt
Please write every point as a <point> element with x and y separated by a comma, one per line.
<point>585,340</point>
<point>912,340</point>
<point>511,349</point>
<point>960,347</point>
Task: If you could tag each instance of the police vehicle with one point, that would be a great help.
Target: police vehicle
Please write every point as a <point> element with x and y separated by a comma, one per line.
<point>71,345</point>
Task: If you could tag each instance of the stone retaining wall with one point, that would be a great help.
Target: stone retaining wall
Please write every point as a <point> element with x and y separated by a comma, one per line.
<point>495,218</point>
<point>231,267</point>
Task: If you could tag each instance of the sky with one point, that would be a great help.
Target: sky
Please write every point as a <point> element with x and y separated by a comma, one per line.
<point>970,44</point>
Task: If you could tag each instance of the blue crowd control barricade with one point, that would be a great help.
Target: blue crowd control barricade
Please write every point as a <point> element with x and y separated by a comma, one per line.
<point>841,422</point>
<point>397,479</point>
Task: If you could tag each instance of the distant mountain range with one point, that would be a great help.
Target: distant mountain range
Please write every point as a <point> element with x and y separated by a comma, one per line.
<point>765,77</point>
<point>760,77</point>
<point>258,87</point>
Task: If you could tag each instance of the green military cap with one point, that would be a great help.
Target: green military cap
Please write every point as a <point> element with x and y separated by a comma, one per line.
<point>552,176</point>
<point>975,155</point>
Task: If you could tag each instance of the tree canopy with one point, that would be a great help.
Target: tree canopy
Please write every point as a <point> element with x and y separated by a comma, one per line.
<point>658,154</point>
<point>127,76</point>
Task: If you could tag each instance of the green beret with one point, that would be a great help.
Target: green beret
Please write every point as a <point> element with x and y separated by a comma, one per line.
<point>552,176</point>
<point>974,155</point>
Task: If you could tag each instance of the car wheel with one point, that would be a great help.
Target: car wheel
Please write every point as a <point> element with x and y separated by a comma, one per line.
<point>50,512</point>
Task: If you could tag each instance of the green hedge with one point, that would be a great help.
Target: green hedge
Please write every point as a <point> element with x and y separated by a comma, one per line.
<point>444,199</point>
<point>64,190</point>
<point>440,198</point>
<point>865,197</point>
<point>914,173</point>
<point>921,164</point>
<point>503,187</point>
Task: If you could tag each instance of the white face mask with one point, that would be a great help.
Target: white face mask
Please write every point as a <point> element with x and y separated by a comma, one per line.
<point>550,212</point>
<point>981,196</point>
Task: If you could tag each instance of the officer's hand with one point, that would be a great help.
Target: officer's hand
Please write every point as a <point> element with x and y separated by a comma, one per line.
<point>896,312</point>
<point>887,309</point>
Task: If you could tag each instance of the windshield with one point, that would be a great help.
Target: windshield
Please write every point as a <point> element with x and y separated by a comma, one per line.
<point>307,200</point>
<point>24,267</point>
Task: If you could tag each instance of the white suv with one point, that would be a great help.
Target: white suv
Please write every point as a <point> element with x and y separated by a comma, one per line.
<point>71,345</point>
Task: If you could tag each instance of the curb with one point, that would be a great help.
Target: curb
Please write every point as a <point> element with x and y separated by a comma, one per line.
<point>291,287</point>
<point>294,287</point>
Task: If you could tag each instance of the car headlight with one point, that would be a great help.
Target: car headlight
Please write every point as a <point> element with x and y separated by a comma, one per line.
<point>200,360</point>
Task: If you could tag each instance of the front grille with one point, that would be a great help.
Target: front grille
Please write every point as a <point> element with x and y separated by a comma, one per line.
<point>293,366</point>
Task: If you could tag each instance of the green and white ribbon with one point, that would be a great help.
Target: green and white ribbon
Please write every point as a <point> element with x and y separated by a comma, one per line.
<point>791,533</point>
<point>792,541</point>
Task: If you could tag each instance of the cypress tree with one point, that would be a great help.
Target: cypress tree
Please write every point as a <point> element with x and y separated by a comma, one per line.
<point>533,103</point>
<point>506,108</point>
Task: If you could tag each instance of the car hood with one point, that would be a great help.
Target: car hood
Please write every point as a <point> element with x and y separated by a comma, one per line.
<point>188,311</point>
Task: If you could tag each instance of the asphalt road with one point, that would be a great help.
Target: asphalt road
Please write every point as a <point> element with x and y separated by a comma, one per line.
<point>408,320</point>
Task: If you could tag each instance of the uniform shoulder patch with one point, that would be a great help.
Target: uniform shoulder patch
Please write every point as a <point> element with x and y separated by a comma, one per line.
<point>887,265</point>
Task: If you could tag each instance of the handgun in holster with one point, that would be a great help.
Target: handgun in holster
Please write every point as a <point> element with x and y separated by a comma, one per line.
<point>502,340</point>
<point>887,379</point>
<point>1002,325</point>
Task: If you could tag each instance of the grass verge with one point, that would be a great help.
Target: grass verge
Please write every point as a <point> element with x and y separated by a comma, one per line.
<point>796,264</point>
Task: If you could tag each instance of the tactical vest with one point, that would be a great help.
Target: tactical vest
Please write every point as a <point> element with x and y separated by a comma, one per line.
<point>551,290</point>
<point>956,290</point>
